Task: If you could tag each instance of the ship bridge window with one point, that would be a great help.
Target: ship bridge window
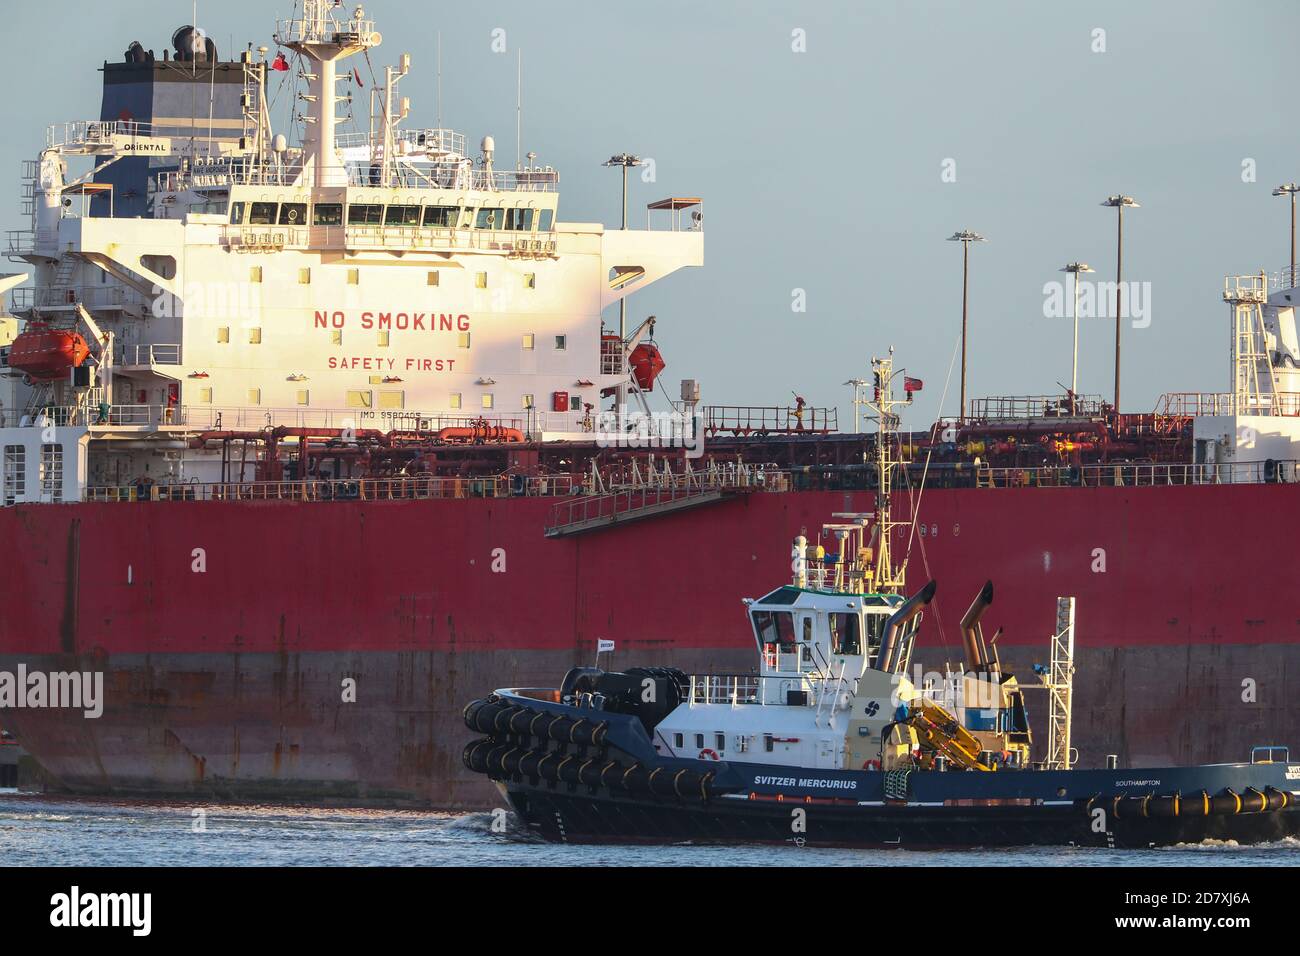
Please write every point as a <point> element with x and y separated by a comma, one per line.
<point>846,634</point>
<point>774,627</point>
<point>262,213</point>
<point>444,216</point>
<point>875,627</point>
<point>489,218</point>
<point>365,215</point>
<point>236,213</point>
<point>402,216</point>
<point>293,214</point>
<point>547,220</point>
<point>518,220</point>
<point>328,214</point>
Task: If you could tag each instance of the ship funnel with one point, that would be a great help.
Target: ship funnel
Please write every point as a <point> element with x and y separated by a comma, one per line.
<point>977,655</point>
<point>891,643</point>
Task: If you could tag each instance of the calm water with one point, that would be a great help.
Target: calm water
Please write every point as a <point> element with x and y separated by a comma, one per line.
<point>38,830</point>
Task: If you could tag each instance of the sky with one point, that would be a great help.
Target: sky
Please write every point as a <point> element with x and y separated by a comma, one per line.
<point>837,145</point>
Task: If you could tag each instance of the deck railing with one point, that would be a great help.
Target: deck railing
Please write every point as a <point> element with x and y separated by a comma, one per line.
<point>738,689</point>
<point>356,489</point>
<point>1137,475</point>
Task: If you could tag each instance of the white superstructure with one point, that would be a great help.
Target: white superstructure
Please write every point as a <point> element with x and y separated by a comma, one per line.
<point>376,279</point>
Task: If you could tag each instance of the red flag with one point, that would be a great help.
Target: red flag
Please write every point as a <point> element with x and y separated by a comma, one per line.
<point>912,384</point>
<point>280,64</point>
<point>357,77</point>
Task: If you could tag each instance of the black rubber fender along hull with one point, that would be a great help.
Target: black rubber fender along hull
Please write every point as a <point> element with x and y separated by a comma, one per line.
<point>573,815</point>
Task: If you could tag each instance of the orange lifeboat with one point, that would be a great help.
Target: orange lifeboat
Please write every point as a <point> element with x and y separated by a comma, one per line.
<point>647,363</point>
<point>47,354</point>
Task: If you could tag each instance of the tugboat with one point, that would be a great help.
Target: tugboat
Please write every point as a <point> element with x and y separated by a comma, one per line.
<point>832,742</point>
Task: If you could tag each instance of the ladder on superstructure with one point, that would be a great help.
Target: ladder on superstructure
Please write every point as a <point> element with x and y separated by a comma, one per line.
<point>1060,688</point>
<point>1254,388</point>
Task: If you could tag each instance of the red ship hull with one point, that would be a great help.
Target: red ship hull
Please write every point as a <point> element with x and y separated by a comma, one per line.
<point>227,631</point>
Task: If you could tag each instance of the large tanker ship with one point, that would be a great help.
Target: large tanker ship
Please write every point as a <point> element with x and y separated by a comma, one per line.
<point>306,444</point>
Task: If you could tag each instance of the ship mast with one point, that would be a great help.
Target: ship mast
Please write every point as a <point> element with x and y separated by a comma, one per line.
<point>884,576</point>
<point>324,41</point>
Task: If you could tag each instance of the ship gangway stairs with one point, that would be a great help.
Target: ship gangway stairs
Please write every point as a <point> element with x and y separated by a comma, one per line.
<point>596,512</point>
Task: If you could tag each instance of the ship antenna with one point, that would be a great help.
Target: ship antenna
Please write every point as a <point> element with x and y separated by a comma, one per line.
<point>885,576</point>
<point>439,86</point>
<point>519,106</point>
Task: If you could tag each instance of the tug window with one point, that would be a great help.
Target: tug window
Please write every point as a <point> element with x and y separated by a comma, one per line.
<point>699,741</point>
<point>328,214</point>
<point>262,213</point>
<point>774,627</point>
<point>293,214</point>
<point>365,215</point>
<point>444,216</point>
<point>402,216</point>
<point>721,742</point>
<point>846,637</point>
<point>678,741</point>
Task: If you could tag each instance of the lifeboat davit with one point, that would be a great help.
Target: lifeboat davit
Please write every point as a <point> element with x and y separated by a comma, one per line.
<point>47,354</point>
<point>647,363</point>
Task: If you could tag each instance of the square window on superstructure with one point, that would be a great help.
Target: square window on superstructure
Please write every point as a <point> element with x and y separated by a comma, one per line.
<point>454,400</point>
<point>328,214</point>
<point>254,336</point>
<point>432,277</point>
<point>205,395</point>
<point>385,337</point>
<point>480,280</point>
<point>223,335</point>
<point>679,741</point>
<point>530,341</point>
<point>336,337</point>
<point>304,277</point>
<point>462,340</point>
<point>304,397</point>
<point>293,214</point>
<point>354,277</point>
<point>262,214</point>
<point>392,400</point>
<point>402,216</point>
<point>441,216</point>
<point>254,273</point>
<point>561,343</point>
<point>699,741</point>
<point>527,403</point>
<point>488,400</point>
<point>237,214</point>
<point>255,396</point>
<point>365,215</point>
<point>547,218</point>
<point>360,399</point>
<point>489,218</point>
<point>530,280</point>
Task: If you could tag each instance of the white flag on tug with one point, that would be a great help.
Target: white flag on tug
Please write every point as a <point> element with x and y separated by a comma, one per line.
<point>604,647</point>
